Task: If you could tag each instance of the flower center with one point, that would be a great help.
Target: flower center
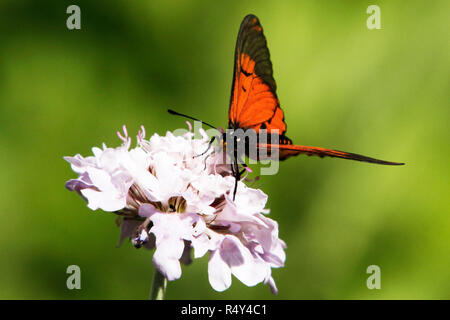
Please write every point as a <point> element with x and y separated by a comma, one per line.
<point>176,204</point>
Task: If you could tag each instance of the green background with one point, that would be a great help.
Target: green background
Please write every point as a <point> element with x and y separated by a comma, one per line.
<point>383,93</point>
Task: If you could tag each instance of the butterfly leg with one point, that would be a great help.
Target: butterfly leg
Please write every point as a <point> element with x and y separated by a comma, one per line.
<point>236,173</point>
<point>207,149</point>
<point>237,177</point>
<point>206,158</point>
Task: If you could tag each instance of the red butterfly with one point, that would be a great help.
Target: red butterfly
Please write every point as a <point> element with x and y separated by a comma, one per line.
<point>254,103</point>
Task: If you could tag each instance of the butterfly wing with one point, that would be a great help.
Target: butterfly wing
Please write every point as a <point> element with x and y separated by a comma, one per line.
<point>287,150</point>
<point>254,103</point>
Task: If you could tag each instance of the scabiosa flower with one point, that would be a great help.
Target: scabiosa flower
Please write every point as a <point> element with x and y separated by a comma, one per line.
<point>174,200</point>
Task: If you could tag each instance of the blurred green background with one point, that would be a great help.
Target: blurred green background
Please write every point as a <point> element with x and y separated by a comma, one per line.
<point>383,93</point>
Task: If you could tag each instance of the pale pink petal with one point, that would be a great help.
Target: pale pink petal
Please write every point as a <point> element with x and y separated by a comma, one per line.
<point>248,269</point>
<point>232,213</point>
<point>201,245</point>
<point>103,200</point>
<point>219,273</point>
<point>170,231</point>
<point>77,185</point>
<point>166,259</point>
<point>272,285</point>
<point>147,210</point>
<point>169,249</point>
<point>248,200</point>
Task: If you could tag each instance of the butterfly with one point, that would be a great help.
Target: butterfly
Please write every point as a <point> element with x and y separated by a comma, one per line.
<point>254,104</point>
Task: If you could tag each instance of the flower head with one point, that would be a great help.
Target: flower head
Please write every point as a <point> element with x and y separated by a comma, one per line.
<point>174,200</point>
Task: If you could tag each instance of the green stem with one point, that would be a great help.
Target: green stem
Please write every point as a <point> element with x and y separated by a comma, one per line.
<point>158,287</point>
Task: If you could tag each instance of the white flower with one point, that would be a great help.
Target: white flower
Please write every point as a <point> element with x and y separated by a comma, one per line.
<point>172,199</point>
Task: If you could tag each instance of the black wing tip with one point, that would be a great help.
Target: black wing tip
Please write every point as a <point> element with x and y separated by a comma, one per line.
<point>375,161</point>
<point>378,161</point>
<point>250,19</point>
<point>390,163</point>
<point>250,16</point>
<point>397,163</point>
<point>359,157</point>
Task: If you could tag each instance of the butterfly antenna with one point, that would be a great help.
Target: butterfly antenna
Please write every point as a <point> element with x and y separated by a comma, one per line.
<point>189,117</point>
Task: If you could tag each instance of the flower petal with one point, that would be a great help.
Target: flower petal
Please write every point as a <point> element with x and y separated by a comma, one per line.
<point>248,269</point>
<point>103,200</point>
<point>219,273</point>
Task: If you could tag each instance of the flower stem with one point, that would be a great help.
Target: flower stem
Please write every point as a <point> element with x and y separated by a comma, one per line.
<point>158,287</point>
